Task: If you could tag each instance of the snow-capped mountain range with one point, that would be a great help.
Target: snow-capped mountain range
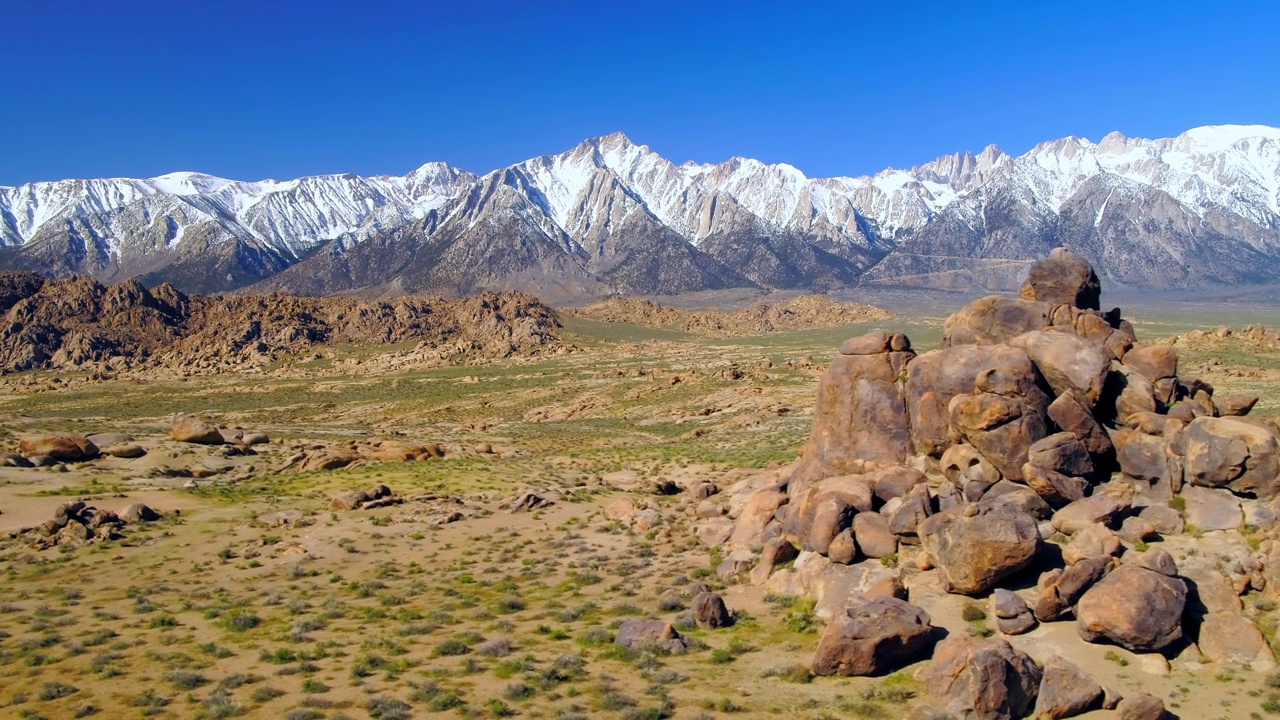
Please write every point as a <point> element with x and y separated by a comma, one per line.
<point>610,216</point>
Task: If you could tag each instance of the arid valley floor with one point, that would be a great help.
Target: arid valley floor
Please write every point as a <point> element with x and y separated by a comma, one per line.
<point>251,597</point>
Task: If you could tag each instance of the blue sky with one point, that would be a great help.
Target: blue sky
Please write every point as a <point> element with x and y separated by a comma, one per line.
<point>251,90</point>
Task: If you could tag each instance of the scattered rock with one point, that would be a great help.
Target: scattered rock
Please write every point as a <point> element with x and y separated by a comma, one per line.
<point>640,634</point>
<point>1141,706</point>
<point>710,612</point>
<point>138,512</point>
<point>1013,617</point>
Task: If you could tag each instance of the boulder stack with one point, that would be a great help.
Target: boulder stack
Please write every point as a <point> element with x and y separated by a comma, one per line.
<point>1040,418</point>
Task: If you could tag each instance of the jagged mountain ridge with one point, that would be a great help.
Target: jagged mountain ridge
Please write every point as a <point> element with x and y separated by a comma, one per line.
<point>612,217</point>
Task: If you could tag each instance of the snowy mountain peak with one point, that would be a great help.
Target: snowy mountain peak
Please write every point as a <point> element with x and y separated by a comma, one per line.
<point>188,183</point>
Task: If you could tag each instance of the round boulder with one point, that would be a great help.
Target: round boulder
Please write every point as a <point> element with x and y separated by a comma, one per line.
<point>872,637</point>
<point>196,430</point>
<point>975,546</point>
<point>1134,607</point>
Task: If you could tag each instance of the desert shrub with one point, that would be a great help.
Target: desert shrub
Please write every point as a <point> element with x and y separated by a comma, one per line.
<point>382,707</point>
<point>185,679</point>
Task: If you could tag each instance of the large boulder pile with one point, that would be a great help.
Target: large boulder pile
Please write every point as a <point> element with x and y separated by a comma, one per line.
<point>1040,422</point>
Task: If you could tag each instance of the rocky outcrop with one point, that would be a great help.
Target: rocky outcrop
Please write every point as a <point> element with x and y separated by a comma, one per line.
<point>80,322</point>
<point>1029,438</point>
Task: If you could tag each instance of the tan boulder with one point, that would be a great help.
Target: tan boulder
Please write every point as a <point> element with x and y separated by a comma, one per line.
<point>749,527</point>
<point>65,448</point>
<point>1055,488</point>
<point>1141,706</point>
<point>1066,691</point>
<point>969,471</point>
<point>1154,362</point>
<point>1069,363</point>
<point>197,430</point>
<point>995,319</point>
<point>1232,453</point>
<point>1001,428</point>
<point>860,416</point>
<point>1063,278</point>
<point>1231,639</point>
<point>1061,589</point>
<point>975,546</point>
<point>1070,414</point>
<point>1136,608</point>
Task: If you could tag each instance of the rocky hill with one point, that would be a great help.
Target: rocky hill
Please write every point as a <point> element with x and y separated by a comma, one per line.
<point>610,217</point>
<point>801,313</point>
<point>81,322</point>
<point>1043,460</point>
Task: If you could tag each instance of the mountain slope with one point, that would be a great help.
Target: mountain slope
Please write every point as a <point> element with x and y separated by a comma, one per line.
<point>611,217</point>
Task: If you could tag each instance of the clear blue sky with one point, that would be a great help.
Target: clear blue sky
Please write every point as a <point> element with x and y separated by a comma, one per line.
<point>259,89</point>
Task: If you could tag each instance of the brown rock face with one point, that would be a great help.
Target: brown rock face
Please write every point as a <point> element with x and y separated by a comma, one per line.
<point>872,637</point>
<point>871,531</point>
<point>1060,590</point>
<point>1063,279</point>
<point>1001,428</point>
<point>860,413</point>
<point>1070,414</point>
<point>1068,362</point>
<point>934,378</point>
<point>1133,607</point>
<point>60,447</point>
<point>1231,453</point>
<point>982,679</point>
<point>1055,488</point>
<point>196,430</point>
<point>995,319</point>
<point>1154,362</point>
<point>1062,452</point>
<point>976,546</point>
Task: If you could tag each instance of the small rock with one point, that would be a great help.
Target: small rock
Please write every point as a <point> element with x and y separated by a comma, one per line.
<point>710,612</point>
<point>1141,706</point>
<point>639,634</point>
<point>1065,691</point>
<point>138,512</point>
